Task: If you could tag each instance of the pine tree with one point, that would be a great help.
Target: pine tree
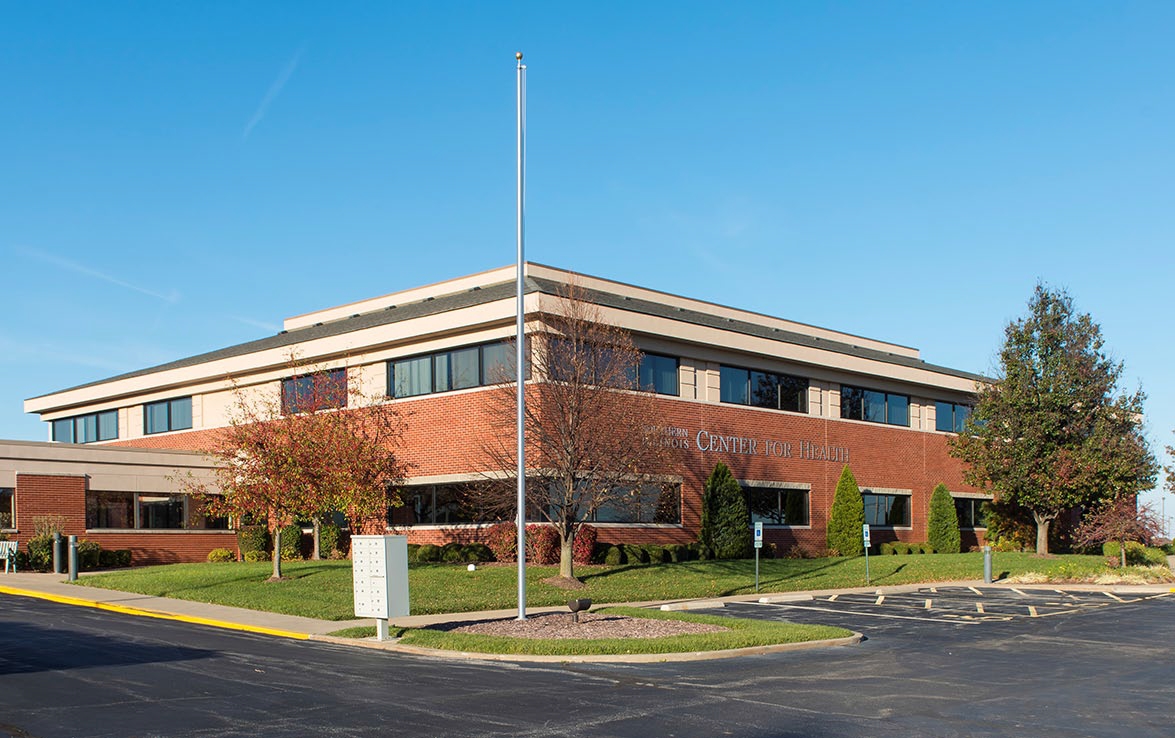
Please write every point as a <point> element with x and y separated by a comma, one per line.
<point>729,518</point>
<point>942,529</point>
<point>847,517</point>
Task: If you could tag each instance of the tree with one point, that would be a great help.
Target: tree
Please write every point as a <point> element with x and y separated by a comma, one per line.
<point>318,445</point>
<point>1052,432</point>
<point>593,439</point>
<point>847,517</point>
<point>729,532</point>
<point>942,527</point>
<point>1120,519</point>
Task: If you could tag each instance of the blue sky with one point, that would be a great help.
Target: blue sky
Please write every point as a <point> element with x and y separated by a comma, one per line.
<point>179,177</point>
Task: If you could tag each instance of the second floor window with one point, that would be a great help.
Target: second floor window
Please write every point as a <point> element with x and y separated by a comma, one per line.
<point>87,428</point>
<point>950,416</point>
<point>874,406</point>
<point>312,392</point>
<point>167,415</point>
<point>763,389</point>
<point>659,374</point>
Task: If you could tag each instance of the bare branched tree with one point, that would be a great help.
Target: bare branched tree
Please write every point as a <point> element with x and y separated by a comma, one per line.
<point>594,440</point>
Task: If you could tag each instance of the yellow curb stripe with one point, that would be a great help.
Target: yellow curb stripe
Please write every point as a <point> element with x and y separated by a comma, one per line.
<point>140,612</point>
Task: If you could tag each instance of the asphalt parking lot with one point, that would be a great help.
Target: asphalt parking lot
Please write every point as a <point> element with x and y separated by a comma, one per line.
<point>952,606</point>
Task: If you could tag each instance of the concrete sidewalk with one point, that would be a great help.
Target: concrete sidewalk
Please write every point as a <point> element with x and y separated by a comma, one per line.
<point>56,587</point>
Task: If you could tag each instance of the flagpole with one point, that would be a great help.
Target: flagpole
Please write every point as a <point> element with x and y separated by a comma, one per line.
<point>520,343</point>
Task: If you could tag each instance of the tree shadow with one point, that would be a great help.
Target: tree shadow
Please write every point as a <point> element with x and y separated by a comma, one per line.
<point>26,648</point>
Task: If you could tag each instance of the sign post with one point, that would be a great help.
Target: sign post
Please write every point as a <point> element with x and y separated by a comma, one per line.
<point>865,538</point>
<point>758,545</point>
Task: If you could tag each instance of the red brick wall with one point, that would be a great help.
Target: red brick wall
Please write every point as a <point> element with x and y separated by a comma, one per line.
<point>445,434</point>
<point>60,495</point>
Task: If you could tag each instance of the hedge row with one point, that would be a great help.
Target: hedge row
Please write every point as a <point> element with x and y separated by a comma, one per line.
<point>897,548</point>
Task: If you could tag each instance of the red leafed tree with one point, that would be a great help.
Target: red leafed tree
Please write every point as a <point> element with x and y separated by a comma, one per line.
<point>1120,519</point>
<point>593,436</point>
<point>316,446</point>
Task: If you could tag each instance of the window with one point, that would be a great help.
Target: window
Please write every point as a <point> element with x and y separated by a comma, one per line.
<point>147,511</point>
<point>444,371</point>
<point>657,504</point>
<point>312,392</point>
<point>874,406</point>
<point>433,504</point>
<point>167,415</point>
<point>87,428</point>
<point>776,506</point>
<point>763,389</point>
<point>659,374</point>
<point>7,508</point>
<point>970,512</point>
<point>950,417</point>
<point>886,510</point>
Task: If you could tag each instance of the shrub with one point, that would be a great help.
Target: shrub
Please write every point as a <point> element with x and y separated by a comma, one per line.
<point>413,548</point>
<point>585,544</point>
<point>942,528</point>
<point>252,538</point>
<point>700,551</point>
<point>478,552</point>
<point>542,544</point>
<point>614,556</point>
<point>291,542</point>
<point>677,552</point>
<point>502,538</point>
<point>89,555</point>
<point>40,553</point>
<point>328,539</point>
<point>847,517</point>
<point>887,549</point>
<point>254,557</point>
<point>219,556</point>
<point>429,553</point>
<point>453,553</point>
<point>634,554</point>
<point>656,554</point>
<point>730,529</point>
<point>1136,553</point>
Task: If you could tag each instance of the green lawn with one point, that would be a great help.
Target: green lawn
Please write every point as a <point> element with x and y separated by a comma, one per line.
<point>322,589</point>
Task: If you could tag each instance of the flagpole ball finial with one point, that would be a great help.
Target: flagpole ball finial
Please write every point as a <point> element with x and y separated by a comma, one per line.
<point>518,55</point>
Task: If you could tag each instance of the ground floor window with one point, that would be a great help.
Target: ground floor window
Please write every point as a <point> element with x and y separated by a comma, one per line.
<point>7,507</point>
<point>886,510</point>
<point>772,505</point>
<point>654,503</point>
<point>970,512</point>
<point>147,511</point>
<point>434,504</point>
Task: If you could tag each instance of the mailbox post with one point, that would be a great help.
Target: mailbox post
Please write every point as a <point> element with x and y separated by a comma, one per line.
<point>380,579</point>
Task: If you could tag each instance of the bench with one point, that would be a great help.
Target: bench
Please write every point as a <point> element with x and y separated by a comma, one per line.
<point>8,553</point>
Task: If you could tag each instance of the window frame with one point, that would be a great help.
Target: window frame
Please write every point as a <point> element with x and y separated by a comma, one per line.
<point>8,510</point>
<point>871,413</point>
<point>975,503</point>
<point>956,422</point>
<point>481,375</point>
<point>171,425</point>
<point>99,420</point>
<point>290,389</point>
<point>749,393</point>
<point>654,372</point>
<point>190,512</point>
<point>895,494</point>
<point>780,488</point>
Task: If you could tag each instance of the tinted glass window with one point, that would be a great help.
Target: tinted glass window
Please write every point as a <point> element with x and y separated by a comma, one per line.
<point>793,394</point>
<point>944,416</point>
<point>412,377</point>
<point>87,428</point>
<point>733,384</point>
<point>465,368</point>
<point>181,413</point>
<point>874,406</point>
<point>772,506</point>
<point>851,400</point>
<point>7,507</point>
<point>764,390</point>
<point>497,363</point>
<point>156,417</point>
<point>659,374</point>
<point>63,430</point>
<point>897,410</point>
<point>886,510</point>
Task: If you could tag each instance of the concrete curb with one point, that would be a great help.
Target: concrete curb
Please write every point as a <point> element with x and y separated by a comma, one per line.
<point>140,612</point>
<point>619,658</point>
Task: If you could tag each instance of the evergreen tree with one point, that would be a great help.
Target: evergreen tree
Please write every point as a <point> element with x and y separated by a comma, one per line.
<point>847,517</point>
<point>942,529</point>
<point>729,519</point>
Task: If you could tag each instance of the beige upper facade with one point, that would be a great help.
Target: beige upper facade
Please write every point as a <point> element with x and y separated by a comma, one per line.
<point>116,469</point>
<point>364,336</point>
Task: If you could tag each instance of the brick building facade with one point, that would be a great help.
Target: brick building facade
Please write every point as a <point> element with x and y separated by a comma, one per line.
<point>785,405</point>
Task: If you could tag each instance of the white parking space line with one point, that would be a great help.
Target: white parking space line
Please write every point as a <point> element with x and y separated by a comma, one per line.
<point>862,613</point>
<point>880,599</point>
<point>979,607</point>
<point>1020,592</point>
<point>927,604</point>
<point>1114,596</point>
<point>975,591</point>
<point>1032,611</point>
